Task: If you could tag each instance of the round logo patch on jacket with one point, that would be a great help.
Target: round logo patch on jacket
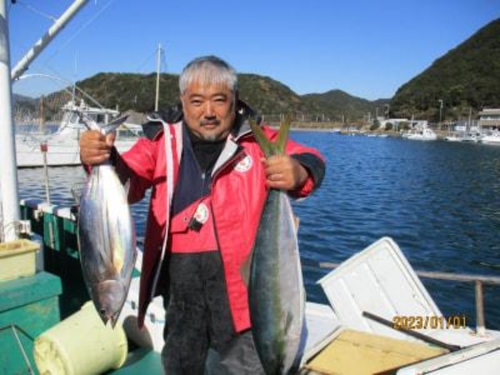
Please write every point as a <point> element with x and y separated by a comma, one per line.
<point>201,214</point>
<point>244,164</point>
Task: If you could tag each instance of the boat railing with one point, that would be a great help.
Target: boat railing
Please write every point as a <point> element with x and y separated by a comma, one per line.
<point>479,282</point>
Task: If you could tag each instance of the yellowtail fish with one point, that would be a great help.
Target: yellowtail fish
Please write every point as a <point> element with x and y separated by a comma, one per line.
<point>276,289</point>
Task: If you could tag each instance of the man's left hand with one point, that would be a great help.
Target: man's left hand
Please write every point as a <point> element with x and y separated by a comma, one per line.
<point>285,173</point>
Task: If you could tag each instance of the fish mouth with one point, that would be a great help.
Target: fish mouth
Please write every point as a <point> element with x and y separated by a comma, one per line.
<point>113,322</point>
<point>107,317</point>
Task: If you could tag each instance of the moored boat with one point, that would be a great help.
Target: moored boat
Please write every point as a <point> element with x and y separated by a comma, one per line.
<point>425,134</point>
<point>491,139</point>
<point>452,138</point>
<point>61,147</point>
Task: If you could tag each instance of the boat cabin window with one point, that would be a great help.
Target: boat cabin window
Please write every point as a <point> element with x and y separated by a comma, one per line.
<point>70,118</point>
<point>100,118</point>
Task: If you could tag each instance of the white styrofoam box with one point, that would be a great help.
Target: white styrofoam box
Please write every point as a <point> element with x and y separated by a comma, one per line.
<point>378,280</point>
<point>322,325</point>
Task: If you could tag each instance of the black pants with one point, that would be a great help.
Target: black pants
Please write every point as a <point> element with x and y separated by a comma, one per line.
<point>199,318</point>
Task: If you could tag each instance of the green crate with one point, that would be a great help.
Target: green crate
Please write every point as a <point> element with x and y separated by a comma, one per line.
<point>28,307</point>
<point>141,361</point>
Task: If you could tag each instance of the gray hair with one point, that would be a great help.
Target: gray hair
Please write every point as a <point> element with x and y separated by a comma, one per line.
<point>208,70</point>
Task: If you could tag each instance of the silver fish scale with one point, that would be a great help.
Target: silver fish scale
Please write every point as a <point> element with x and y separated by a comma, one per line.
<point>276,290</point>
<point>107,241</point>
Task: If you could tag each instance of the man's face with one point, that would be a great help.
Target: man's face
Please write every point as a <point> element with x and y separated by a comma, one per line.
<point>209,110</point>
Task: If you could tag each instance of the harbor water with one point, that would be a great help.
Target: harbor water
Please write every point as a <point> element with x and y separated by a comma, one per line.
<point>439,201</point>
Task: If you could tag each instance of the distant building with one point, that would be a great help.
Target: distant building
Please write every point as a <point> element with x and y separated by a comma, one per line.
<point>489,119</point>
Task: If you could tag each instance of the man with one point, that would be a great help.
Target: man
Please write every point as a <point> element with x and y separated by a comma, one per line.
<point>209,183</point>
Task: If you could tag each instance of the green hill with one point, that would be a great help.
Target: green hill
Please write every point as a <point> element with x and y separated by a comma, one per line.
<point>467,77</point>
<point>338,105</point>
<point>269,97</point>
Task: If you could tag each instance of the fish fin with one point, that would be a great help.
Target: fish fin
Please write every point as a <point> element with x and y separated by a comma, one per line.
<point>264,143</point>
<point>283,135</point>
<point>118,261</point>
<point>126,186</point>
<point>296,222</point>
<point>105,129</point>
<point>271,148</point>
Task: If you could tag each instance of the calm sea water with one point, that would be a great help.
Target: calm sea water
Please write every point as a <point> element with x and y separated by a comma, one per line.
<point>439,201</point>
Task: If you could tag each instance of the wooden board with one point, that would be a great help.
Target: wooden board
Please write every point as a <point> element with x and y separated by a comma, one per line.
<point>359,353</point>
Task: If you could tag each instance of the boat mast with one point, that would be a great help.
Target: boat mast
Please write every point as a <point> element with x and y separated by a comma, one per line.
<point>8,169</point>
<point>10,210</point>
<point>158,61</point>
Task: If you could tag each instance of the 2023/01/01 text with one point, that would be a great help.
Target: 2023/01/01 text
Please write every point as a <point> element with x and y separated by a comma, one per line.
<point>409,322</point>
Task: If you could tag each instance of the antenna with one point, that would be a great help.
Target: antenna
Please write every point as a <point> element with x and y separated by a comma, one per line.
<point>158,60</point>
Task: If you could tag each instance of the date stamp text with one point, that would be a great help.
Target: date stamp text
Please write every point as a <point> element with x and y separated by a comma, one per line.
<point>410,322</point>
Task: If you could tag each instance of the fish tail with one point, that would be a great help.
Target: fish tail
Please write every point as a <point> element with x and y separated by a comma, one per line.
<point>283,135</point>
<point>272,148</point>
<point>113,125</point>
<point>105,129</point>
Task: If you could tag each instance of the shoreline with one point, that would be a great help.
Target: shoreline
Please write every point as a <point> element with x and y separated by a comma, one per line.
<point>441,134</point>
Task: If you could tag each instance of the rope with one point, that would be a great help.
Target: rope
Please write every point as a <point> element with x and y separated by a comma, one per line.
<point>80,29</point>
<point>150,57</point>
<point>37,11</point>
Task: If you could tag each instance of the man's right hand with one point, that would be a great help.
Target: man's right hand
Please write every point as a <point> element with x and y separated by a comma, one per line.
<point>95,148</point>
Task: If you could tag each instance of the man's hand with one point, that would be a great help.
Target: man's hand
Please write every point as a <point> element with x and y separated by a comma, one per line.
<point>95,148</point>
<point>285,173</point>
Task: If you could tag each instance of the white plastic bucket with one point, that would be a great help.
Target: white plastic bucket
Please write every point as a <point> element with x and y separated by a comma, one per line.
<point>81,344</point>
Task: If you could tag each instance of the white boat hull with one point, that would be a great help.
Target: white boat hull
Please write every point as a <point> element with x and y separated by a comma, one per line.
<point>493,139</point>
<point>59,153</point>
<point>62,147</point>
<point>425,135</point>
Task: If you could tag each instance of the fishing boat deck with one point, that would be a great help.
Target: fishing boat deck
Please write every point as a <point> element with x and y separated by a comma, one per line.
<point>141,361</point>
<point>383,260</point>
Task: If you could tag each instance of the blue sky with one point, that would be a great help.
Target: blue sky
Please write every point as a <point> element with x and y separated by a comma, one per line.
<point>367,48</point>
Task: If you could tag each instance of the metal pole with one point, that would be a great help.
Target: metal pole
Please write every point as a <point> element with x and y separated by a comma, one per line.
<point>440,110</point>
<point>410,332</point>
<point>44,148</point>
<point>8,165</point>
<point>23,65</point>
<point>157,97</point>
<point>480,326</point>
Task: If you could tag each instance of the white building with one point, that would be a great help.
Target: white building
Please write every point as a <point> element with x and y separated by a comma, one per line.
<point>489,118</point>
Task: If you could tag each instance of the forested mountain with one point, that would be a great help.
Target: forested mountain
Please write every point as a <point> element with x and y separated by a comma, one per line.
<point>340,106</point>
<point>467,77</point>
<point>269,97</point>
